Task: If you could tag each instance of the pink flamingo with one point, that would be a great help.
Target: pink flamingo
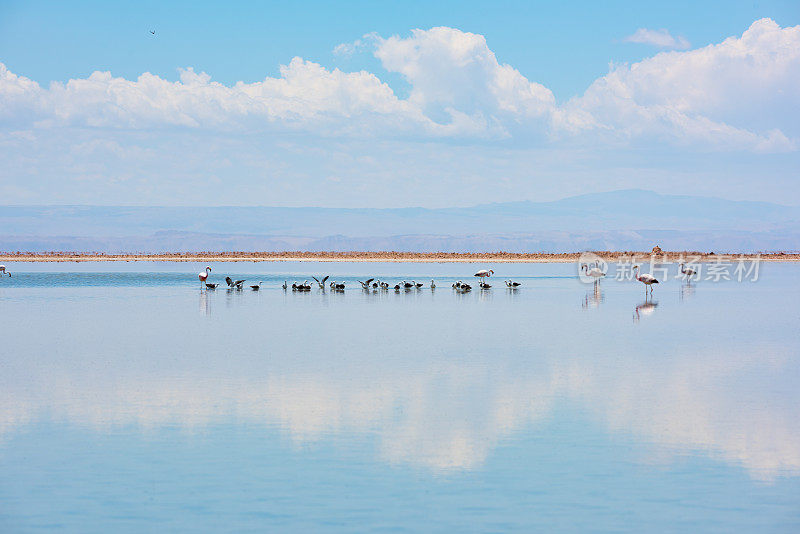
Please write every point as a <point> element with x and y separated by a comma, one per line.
<point>647,279</point>
<point>687,273</point>
<point>204,276</point>
<point>484,273</point>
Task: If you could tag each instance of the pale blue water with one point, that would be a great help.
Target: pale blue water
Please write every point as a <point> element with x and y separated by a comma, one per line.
<point>131,401</point>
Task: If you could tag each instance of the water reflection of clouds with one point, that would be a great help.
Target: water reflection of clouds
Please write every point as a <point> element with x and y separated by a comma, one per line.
<point>451,415</point>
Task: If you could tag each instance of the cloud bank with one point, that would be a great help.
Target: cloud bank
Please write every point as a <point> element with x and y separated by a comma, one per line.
<point>737,95</point>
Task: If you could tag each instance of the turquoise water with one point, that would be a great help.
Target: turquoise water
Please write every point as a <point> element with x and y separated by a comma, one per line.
<point>132,401</point>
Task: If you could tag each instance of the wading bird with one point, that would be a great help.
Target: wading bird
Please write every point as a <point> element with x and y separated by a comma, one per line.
<point>365,285</point>
<point>3,271</point>
<point>321,283</point>
<point>433,284</point>
<point>408,285</point>
<point>238,284</point>
<point>513,285</point>
<point>593,272</point>
<point>647,279</point>
<point>484,273</point>
<point>484,285</point>
<point>284,286</point>
<point>337,287</point>
<point>211,286</point>
<point>687,273</point>
<point>301,287</point>
<point>416,284</point>
<point>203,275</point>
<point>257,286</point>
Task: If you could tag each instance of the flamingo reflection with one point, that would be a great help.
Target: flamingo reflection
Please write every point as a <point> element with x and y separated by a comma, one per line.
<point>644,309</point>
<point>594,298</point>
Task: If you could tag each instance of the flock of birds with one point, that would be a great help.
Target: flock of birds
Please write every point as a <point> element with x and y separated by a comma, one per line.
<point>592,271</point>
<point>370,284</point>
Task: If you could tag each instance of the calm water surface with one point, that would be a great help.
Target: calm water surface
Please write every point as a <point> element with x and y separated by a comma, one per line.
<point>132,401</point>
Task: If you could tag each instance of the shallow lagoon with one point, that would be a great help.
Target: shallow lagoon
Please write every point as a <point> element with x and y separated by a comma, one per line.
<point>132,400</point>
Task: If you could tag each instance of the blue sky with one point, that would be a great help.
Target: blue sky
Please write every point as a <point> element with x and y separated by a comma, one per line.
<point>509,101</point>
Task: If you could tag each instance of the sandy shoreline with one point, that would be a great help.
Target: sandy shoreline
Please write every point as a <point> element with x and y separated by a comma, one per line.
<point>411,257</point>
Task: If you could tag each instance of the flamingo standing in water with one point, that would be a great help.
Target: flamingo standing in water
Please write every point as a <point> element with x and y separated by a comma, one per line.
<point>593,272</point>
<point>647,279</point>
<point>204,276</point>
<point>484,273</point>
<point>687,273</point>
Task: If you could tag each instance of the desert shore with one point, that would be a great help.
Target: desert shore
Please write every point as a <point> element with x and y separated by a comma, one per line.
<point>413,257</point>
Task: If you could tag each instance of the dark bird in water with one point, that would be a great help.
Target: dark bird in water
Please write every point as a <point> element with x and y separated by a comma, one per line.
<point>484,285</point>
<point>211,286</point>
<point>153,32</point>
<point>513,285</point>
<point>366,284</point>
<point>257,286</point>
<point>238,284</point>
<point>337,287</point>
<point>416,284</point>
<point>408,285</point>
<point>321,282</point>
<point>284,285</point>
<point>397,287</point>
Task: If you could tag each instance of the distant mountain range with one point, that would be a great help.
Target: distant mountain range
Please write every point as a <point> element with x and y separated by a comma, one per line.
<point>618,220</point>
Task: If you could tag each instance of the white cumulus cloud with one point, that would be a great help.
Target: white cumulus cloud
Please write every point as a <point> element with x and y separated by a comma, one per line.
<point>660,38</point>
<point>739,94</point>
<point>451,71</point>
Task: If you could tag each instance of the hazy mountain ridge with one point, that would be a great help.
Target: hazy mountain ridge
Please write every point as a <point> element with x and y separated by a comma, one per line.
<point>630,219</point>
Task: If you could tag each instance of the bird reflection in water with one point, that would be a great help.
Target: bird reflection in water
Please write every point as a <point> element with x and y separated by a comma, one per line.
<point>687,291</point>
<point>644,309</point>
<point>593,298</point>
<point>204,308</point>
